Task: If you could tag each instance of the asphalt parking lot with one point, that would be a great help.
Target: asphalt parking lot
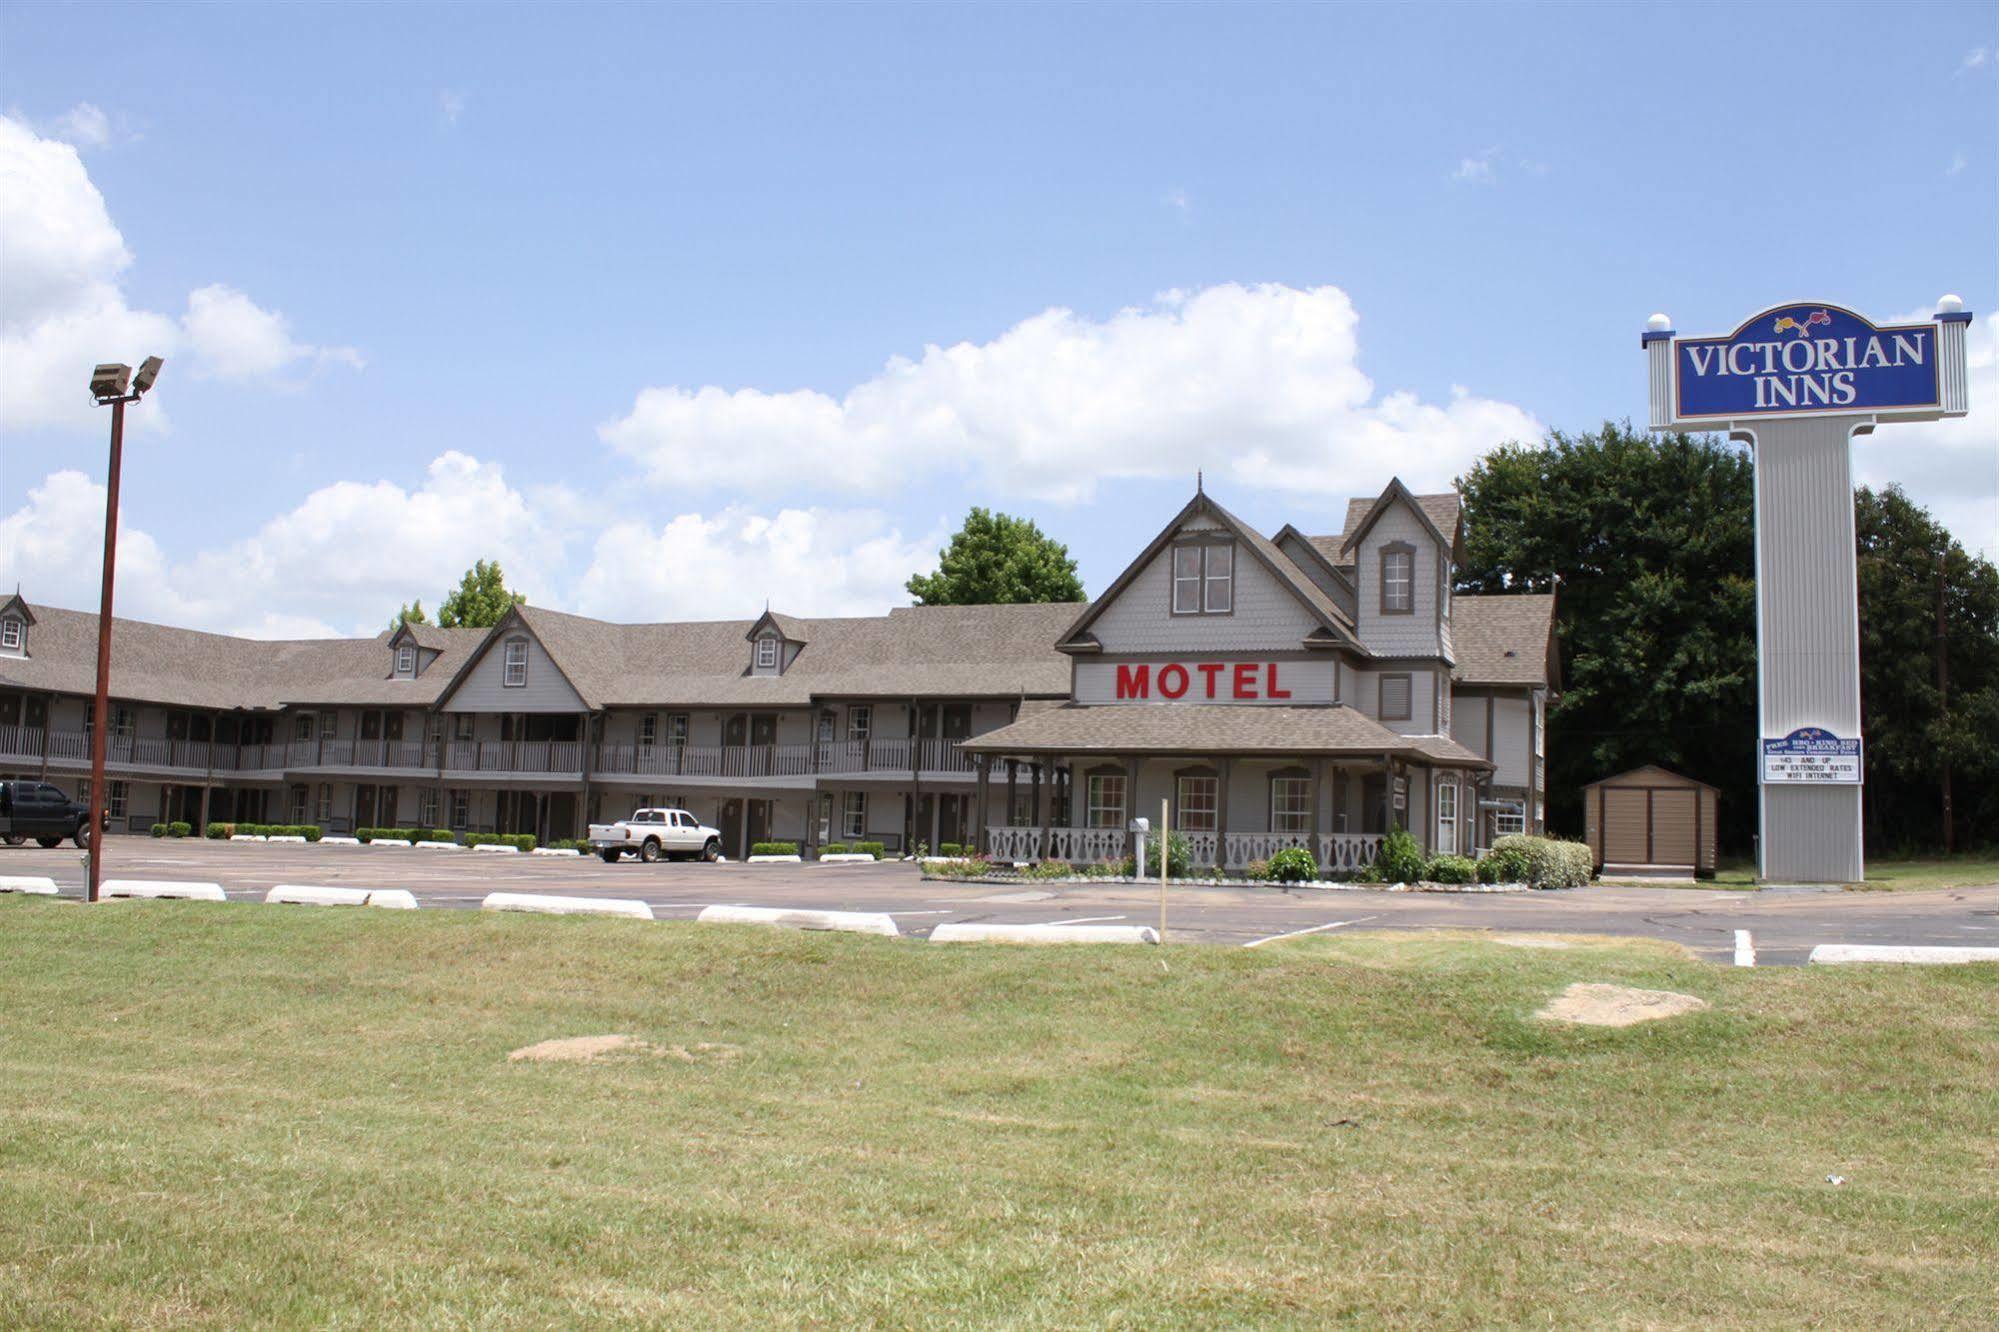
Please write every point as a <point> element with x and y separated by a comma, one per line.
<point>1784,924</point>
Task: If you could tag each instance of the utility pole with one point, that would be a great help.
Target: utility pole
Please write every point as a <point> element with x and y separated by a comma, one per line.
<point>108,385</point>
<point>1943,703</point>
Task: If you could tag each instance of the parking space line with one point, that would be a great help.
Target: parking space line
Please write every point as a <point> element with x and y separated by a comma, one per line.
<point>1745,949</point>
<point>1316,929</point>
<point>1081,920</point>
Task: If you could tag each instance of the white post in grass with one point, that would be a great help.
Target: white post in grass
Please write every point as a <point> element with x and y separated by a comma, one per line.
<point>1165,831</point>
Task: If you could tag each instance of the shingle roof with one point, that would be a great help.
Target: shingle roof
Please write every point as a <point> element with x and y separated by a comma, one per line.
<point>156,663</point>
<point>1441,510</point>
<point>1201,728</point>
<point>1504,639</point>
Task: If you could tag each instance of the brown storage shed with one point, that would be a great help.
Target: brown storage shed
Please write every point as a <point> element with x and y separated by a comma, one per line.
<point>1651,821</point>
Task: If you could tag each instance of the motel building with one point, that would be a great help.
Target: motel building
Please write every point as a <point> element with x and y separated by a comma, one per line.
<point>1277,691</point>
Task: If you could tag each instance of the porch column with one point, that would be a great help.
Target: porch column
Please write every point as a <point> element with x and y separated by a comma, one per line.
<point>1221,763</point>
<point>982,799</point>
<point>1318,793</point>
<point>1012,775</point>
<point>1044,803</point>
<point>1131,805</point>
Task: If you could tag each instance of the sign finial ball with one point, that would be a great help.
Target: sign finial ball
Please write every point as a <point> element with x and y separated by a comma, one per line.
<point>1658,323</point>
<point>1951,304</point>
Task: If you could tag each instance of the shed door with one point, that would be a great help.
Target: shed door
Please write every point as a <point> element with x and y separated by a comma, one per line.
<point>1673,827</point>
<point>1624,827</point>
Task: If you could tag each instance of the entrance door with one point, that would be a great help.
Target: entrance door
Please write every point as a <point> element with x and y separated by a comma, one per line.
<point>730,821</point>
<point>1374,803</point>
<point>364,807</point>
<point>559,818</point>
<point>759,823</point>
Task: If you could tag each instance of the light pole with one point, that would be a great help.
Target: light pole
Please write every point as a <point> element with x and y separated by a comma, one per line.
<point>108,384</point>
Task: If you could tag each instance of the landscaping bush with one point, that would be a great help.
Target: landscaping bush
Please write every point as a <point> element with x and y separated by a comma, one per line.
<point>1051,869</point>
<point>1538,862</point>
<point>219,832</point>
<point>954,850</point>
<point>1179,859</point>
<point>834,849</point>
<point>774,848</point>
<point>1451,869</point>
<point>1257,871</point>
<point>159,830</point>
<point>962,867</point>
<point>179,828</point>
<point>569,844</point>
<point>875,849</point>
<point>440,835</point>
<point>1400,861</point>
<point>522,842</point>
<point>1294,864</point>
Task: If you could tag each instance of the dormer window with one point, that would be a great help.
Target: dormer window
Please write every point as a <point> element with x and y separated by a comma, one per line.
<point>516,664</point>
<point>1398,579</point>
<point>766,654</point>
<point>13,635</point>
<point>405,660</point>
<point>1204,578</point>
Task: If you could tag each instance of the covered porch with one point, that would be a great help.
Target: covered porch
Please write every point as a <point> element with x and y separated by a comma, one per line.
<point>1325,779</point>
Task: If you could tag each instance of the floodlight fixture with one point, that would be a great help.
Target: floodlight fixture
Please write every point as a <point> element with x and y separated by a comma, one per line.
<point>149,370</point>
<point>108,381</point>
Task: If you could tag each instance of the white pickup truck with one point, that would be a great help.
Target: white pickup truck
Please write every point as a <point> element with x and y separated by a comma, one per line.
<point>652,833</point>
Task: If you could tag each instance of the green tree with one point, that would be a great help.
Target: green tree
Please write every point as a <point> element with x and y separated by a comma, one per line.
<point>1928,733</point>
<point>410,614</point>
<point>997,559</point>
<point>481,599</point>
<point>1651,545</point>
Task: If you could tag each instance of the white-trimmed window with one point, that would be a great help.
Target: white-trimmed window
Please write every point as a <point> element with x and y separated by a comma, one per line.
<point>120,793</point>
<point>766,653</point>
<point>302,727</point>
<point>1395,697</point>
<point>648,730</point>
<point>1447,818</point>
<point>1105,800</point>
<point>426,807</point>
<point>300,794</point>
<point>860,719</point>
<point>1398,567</point>
<point>405,660</point>
<point>853,814</point>
<point>1196,796</point>
<point>1204,578</point>
<point>325,802</point>
<point>329,725</point>
<point>1291,804</point>
<point>676,730</point>
<point>13,633</point>
<point>516,663</point>
<point>461,809</point>
<point>461,727</point>
<point>1509,821</point>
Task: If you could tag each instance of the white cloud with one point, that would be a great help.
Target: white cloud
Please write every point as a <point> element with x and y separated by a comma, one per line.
<point>701,567</point>
<point>450,105</point>
<point>1476,170</point>
<point>1178,201</point>
<point>1951,467</point>
<point>1957,165</point>
<point>62,308</point>
<point>1261,385</point>
<point>341,561</point>
<point>85,125</point>
<point>1975,58</point>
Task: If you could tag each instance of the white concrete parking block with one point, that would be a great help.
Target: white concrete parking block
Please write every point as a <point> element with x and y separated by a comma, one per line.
<point>774,860</point>
<point>557,851</point>
<point>193,892</point>
<point>286,837</point>
<point>498,848</point>
<point>567,906</point>
<point>1922,955</point>
<point>1045,934</point>
<point>340,841</point>
<point>439,846</point>
<point>859,922</point>
<point>27,883</point>
<point>305,894</point>
<point>846,858</point>
<point>248,837</point>
<point>390,841</point>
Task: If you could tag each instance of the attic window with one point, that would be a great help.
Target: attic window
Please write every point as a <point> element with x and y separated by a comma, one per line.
<point>766,653</point>
<point>13,634</point>
<point>1204,578</point>
<point>405,660</point>
<point>517,663</point>
<point>1398,581</point>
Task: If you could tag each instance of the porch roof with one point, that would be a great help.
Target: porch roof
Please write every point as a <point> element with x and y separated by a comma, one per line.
<point>1213,728</point>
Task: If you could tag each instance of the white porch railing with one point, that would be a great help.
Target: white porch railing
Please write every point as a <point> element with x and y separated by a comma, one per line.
<point>1337,852</point>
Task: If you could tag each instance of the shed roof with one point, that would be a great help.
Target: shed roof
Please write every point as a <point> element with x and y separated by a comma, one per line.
<point>1649,774</point>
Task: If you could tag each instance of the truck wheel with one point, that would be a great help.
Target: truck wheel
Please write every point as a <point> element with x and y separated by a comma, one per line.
<point>649,850</point>
<point>610,854</point>
<point>48,843</point>
<point>712,851</point>
<point>82,834</point>
<point>15,839</point>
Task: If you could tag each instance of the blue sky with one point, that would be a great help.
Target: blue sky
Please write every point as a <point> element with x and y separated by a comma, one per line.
<point>676,309</point>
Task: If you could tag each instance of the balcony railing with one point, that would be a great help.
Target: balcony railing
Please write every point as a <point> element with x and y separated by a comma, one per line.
<point>885,756</point>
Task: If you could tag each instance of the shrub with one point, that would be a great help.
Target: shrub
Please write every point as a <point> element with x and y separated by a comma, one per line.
<point>569,844</point>
<point>774,848</point>
<point>179,828</point>
<point>952,850</point>
<point>1179,858</point>
<point>519,841</point>
<point>159,830</point>
<point>1400,861</point>
<point>1294,864</point>
<point>219,832</point>
<point>1051,869</point>
<point>833,849</point>
<point>440,835</point>
<point>1540,862</point>
<point>875,849</point>
<point>962,867</point>
<point>1451,869</point>
<point>1257,871</point>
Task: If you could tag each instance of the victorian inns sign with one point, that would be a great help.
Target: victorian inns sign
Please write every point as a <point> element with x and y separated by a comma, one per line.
<point>1817,358</point>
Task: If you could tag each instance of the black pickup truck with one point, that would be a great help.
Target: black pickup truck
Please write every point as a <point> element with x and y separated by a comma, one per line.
<point>43,812</point>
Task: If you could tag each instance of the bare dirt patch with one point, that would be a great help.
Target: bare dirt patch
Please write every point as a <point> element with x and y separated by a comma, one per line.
<point>1530,941</point>
<point>591,1049</point>
<point>1617,1005</point>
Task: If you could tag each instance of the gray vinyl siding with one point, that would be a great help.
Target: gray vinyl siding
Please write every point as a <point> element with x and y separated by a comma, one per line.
<point>1363,690</point>
<point>1267,616</point>
<point>484,690</point>
<point>1415,634</point>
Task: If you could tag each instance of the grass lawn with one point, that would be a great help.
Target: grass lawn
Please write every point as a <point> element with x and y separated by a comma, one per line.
<point>1966,870</point>
<point>251,1116</point>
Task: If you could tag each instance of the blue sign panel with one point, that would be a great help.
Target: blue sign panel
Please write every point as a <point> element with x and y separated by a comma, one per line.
<point>1812,754</point>
<point>1807,360</point>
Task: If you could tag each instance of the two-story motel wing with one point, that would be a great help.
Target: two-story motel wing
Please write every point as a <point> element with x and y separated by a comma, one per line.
<point>1299,690</point>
